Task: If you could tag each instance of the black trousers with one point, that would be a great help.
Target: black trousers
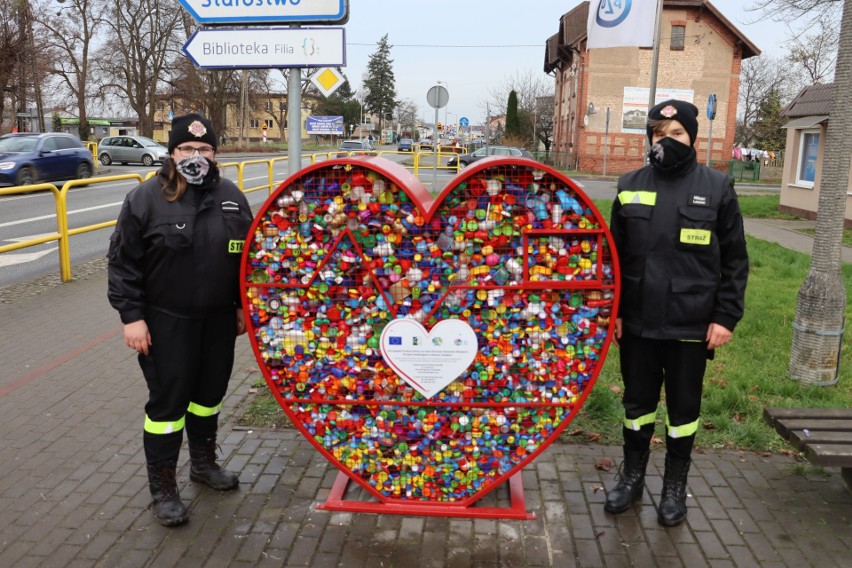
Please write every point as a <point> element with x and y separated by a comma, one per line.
<point>646,366</point>
<point>187,370</point>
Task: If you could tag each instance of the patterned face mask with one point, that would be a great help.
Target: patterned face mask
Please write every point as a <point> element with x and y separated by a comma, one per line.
<point>193,168</point>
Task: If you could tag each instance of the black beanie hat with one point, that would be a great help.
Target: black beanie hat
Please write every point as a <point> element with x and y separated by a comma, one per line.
<point>681,111</point>
<point>191,128</point>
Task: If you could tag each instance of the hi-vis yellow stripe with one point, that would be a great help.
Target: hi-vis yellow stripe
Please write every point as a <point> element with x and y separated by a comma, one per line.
<point>204,411</point>
<point>641,197</point>
<point>637,423</point>
<point>682,431</point>
<point>163,427</point>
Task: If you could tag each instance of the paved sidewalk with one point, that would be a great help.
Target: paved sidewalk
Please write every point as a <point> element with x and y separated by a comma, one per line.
<point>73,488</point>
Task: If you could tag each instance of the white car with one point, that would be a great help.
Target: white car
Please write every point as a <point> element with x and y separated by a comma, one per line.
<point>135,149</point>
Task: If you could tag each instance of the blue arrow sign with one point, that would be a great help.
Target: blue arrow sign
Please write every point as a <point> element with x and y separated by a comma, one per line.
<point>267,11</point>
<point>463,121</point>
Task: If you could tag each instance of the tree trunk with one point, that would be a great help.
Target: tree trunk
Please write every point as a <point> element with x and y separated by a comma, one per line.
<point>820,312</point>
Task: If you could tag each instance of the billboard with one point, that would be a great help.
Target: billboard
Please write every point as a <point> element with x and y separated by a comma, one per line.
<point>634,111</point>
<point>325,125</point>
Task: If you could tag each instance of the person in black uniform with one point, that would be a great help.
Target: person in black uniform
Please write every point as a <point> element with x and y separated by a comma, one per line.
<point>679,234</point>
<point>174,263</point>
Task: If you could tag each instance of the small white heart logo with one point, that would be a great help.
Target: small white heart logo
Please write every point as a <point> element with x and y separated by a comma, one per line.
<point>429,360</point>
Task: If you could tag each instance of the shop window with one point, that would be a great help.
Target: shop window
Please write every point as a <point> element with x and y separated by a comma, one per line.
<point>807,159</point>
<point>678,38</point>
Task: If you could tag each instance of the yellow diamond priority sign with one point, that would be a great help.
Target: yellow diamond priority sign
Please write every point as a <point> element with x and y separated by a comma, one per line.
<point>327,80</point>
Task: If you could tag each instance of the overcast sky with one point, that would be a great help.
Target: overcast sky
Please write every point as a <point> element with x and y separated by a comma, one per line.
<point>475,45</point>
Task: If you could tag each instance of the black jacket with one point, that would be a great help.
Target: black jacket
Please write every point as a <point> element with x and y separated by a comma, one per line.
<point>682,252</point>
<point>180,257</point>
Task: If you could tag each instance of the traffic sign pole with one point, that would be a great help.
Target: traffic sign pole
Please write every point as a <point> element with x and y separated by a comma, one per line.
<point>711,114</point>
<point>294,118</point>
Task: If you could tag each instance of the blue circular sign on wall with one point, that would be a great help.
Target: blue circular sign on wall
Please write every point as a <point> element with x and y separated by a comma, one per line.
<point>612,12</point>
<point>463,121</point>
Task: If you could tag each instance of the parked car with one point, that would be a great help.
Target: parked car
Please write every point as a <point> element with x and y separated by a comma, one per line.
<point>34,157</point>
<point>405,145</point>
<point>361,146</point>
<point>464,160</point>
<point>127,149</point>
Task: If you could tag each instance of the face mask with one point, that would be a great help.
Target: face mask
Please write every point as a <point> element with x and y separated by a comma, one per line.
<point>193,168</point>
<point>669,155</point>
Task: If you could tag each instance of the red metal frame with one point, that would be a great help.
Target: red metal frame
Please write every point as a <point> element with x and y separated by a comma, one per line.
<point>297,406</point>
<point>336,501</point>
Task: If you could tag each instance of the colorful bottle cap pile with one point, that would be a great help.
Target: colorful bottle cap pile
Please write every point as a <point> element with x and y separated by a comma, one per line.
<point>515,249</point>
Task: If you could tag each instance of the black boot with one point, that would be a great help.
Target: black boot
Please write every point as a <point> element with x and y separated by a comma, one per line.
<point>631,481</point>
<point>168,508</point>
<point>202,454</point>
<point>672,510</point>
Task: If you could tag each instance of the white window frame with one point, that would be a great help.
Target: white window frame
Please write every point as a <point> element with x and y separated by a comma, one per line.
<point>800,154</point>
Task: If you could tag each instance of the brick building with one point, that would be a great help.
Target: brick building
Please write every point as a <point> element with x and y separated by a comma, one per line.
<point>700,54</point>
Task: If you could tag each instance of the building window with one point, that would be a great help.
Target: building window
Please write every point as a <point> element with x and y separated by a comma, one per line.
<point>268,106</point>
<point>254,123</point>
<point>678,38</point>
<point>808,153</point>
<point>268,122</point>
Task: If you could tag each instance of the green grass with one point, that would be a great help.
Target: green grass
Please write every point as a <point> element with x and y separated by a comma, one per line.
<point>747,375</point>
<point>762,207</point>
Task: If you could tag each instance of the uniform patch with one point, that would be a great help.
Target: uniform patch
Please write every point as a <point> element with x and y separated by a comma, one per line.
<point>700,200</point>
<point>695,236</point>
<point>235,246</point>
<point>230,206</point>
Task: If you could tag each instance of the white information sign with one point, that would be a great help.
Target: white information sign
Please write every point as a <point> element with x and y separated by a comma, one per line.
<point>429,361</point>
<point>224,48</point>
<point>267,11</point>
<point>634,111</point>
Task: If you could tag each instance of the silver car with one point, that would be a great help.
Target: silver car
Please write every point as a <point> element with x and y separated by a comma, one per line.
<point>127,149</point>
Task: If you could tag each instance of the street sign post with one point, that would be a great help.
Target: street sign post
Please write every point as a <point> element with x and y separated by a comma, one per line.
<point>711,114</point>
<point>259,12</point>
<point>243,48</point>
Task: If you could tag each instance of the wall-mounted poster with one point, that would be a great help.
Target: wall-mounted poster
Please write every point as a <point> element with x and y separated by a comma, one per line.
<point>634,111</point>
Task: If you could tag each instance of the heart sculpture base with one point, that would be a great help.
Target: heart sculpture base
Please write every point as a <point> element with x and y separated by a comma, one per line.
<point>337,501</point>
<point>498,293</point>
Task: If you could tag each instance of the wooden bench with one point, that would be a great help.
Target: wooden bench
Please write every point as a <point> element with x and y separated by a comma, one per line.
<point>824,435</point>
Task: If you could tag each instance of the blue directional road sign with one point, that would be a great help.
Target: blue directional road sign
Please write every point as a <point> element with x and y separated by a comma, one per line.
<point>242,48</point>
<point>268,11</point>
<point>463,121</point>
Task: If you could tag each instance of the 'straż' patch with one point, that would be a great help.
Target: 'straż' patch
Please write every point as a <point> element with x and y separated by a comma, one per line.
<point>695,236</point>
<point>235,246</point>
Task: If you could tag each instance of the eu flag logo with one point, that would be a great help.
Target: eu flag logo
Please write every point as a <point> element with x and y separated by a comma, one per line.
<point>393,340</point>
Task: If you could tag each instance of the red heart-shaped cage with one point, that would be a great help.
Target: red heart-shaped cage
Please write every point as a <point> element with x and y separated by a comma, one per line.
<point>513,247</point>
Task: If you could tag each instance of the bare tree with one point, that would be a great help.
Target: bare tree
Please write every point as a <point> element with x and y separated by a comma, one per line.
<point>405,116</point>
<point>814,55</point>
<point>760,77</point>
<point>15,52</point>
<point>802,11</point>
<point>68,33</point>
<point>141,42</point>
<point>530,88</point>
<point>193,89</point>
